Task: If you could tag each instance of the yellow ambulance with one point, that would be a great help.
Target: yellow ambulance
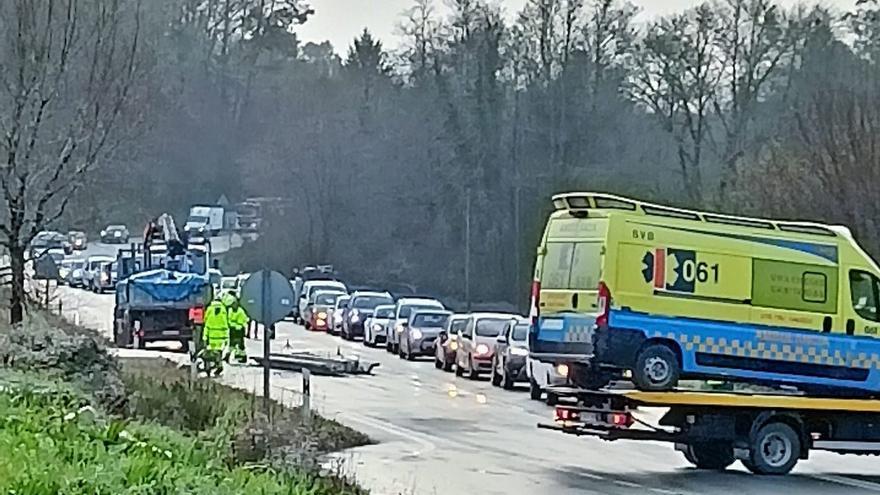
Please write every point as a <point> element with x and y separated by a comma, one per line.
<point>667,293</point>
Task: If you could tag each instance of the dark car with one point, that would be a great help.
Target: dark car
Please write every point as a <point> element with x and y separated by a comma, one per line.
<point>360,308</point>
<point>421,331</point>
<point>78,240</point>
<point>476,344</point>
<point>511,354</point>
<point>446,345</point>
<point>115,234</point>
<point>48,240</point>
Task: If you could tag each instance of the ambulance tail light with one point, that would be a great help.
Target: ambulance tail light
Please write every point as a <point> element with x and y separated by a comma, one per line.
<point>603,305</point>
<point>534,311</point>
<point>197,315</point>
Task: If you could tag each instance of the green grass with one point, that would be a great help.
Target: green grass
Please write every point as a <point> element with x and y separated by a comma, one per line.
<point>53,442</point>
<point>76,420</point>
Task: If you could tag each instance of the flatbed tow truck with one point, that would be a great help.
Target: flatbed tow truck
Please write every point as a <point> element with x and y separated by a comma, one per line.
<point>769,432</point>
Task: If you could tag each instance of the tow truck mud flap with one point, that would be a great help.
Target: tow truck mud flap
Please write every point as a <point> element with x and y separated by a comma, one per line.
<point>567,333</point>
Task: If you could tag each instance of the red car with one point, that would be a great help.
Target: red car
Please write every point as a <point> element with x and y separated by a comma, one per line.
<point>318,314</point>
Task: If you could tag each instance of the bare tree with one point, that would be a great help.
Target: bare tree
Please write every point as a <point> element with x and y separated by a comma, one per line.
<point>755,43</point>
<point>676,76</point>
<point>66,73</point>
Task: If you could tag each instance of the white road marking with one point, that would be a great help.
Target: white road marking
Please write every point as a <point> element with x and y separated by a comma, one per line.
<point>426,441</point>
<point>851,482</point>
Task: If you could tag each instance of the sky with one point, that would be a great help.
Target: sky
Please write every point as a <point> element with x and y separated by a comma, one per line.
<point>341,20</point>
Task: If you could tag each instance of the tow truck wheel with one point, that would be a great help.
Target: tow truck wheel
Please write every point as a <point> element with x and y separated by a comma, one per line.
<point>656,369</point>
<point>774,450</point>
<point>459,371</point>
<point>714,456</point>
<point>437,363</point>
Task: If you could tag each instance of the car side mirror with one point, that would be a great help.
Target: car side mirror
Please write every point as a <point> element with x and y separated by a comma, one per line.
<point>443,336</point>
<point>501,340</point>
<point>404,324</point>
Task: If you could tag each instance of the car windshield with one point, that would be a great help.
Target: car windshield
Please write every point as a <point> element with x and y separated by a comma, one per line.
<point>326,299</point>
<point>78,265</point>
<point>198,220</point>
<point>342,302</point>
<point>430,319</point>
<point>490,327</point>
<point>384,312</point>
<point>520,332</point>
<point>370,302</point>
<point>406,310</point>
<point>228,283</point>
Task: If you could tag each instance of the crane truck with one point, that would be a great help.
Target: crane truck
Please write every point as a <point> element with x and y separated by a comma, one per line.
<point>163,288</point>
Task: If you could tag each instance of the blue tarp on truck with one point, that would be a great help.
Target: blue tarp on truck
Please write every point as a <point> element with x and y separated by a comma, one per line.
<point>168,286</point>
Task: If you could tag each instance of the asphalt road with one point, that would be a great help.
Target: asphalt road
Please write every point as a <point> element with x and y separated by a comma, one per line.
<point>440,434</point>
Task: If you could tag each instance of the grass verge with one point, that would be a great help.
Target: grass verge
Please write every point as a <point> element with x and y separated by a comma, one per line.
<point>74,419</point>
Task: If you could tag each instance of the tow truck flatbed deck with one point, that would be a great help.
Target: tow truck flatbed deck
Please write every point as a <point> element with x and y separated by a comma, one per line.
<point>768,432</point>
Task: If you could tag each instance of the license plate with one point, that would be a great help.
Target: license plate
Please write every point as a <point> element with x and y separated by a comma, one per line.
<point>170,332</point>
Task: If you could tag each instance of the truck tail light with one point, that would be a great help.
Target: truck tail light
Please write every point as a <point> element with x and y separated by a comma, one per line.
<point>197,315</point>
<point>620,419</point>
<point>603,304</point>
<point>566,414</point>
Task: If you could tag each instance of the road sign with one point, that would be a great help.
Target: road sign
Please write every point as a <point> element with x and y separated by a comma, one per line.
<point>267,297</point>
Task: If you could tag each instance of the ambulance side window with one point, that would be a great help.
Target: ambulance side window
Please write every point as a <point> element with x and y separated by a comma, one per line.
<point>865,291</point>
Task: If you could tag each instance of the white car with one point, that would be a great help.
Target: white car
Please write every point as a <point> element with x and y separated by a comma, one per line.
<point>544,375</point>
<point>305,296</point>
<point>376,326</point>
<point>402,311</point>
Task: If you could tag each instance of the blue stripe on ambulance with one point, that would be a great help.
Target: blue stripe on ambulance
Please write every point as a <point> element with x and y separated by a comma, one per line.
<point>795,355</point>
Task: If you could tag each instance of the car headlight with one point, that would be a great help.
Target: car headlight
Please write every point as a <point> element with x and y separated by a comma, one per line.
<point>103,232</point>
<point>562,370</point>
<point>453,345</point>
<point>398,328</point>
<point>355,318</point>
<point>519,351</point>
<point>482,349</point>
<point>416,333</point>
<point>377,327</point>
<point>322,315</point>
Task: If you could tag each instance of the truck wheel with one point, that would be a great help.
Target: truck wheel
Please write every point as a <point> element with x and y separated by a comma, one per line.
<point>437,363</point>
<point>774,450</point>
<point>459,371</point>
<point>186,346</point>
<point>717,457</point>
<point>447,365</point>
<point>656,369</point>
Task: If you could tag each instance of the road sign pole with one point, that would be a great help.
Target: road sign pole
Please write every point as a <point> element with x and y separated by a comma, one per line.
<point>265,294</point>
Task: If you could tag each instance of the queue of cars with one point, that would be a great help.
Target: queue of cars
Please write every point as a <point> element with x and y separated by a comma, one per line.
<point>472,345</point>
<point>96,273</point>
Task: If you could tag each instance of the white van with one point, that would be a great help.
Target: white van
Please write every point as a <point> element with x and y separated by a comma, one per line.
<point>402,310</point>
<point>312,286</point>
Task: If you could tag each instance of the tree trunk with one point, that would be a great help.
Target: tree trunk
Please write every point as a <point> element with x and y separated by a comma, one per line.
<point>17,298</point>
